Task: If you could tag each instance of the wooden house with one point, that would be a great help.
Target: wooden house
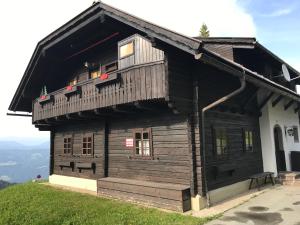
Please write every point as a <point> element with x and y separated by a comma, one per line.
<point>140,112</point>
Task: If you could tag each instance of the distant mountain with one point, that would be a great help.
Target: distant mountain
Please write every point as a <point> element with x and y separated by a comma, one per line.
<point>11,145</point>
<point>6,145</point>
<point>20,163</point>
<point>4,184</point>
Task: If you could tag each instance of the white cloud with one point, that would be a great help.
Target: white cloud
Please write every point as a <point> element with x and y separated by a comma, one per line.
<point>279,12</point>
<point>5,178</point>
<point>223,18</point>
<point>9,163</point>
<point>24,23</point>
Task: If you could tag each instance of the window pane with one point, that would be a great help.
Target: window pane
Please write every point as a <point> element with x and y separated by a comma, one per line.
<point>146,135</point>
<point>84,139</point>
<point>295,132</point>
<point>250,138</point>
<point>84,151</point>
<point>95,74</point>
<point>224,142</point>
<point>126,50</point>
<point>89,151</point>
<point>138,147</point>
<point>89,145</point>
<point>146,147</point>
<point>219,143</point>
<point>84,145</point>
<point>138,135</point>
<point>219,150</point>
<point>89,139</point>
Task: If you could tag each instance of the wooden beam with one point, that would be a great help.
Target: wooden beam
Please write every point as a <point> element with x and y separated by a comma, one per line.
<point>265,101</point>
<point>102,18</point>
<point>288,105</point>
<point>118,109</point>
<point>173,108</point>
<point>83,116</point>
<point>18,114</point>
<point>142,106</point>
<point>250,99</point>
<point>297,108</point>
<point>277,100</point>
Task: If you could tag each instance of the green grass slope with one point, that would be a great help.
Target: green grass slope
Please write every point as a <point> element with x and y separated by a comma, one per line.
<point>38,204</point>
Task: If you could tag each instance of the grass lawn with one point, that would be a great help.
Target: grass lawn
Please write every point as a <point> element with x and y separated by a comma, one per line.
<point>37,204</point>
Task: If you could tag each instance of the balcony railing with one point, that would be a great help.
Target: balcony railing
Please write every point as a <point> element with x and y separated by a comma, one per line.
<point>142,82</point>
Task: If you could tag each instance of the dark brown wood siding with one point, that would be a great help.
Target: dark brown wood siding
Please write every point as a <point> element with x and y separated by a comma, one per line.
<point>77,131</point>
<point>143,52</point>
<point>170,150</point>
<point>244,163</point>
<point>180,81</point>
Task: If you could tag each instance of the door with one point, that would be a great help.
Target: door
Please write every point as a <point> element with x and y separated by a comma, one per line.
<point>279,150</point>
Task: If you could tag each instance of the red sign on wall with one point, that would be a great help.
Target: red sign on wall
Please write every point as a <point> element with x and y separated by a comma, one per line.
<point>129,142</point>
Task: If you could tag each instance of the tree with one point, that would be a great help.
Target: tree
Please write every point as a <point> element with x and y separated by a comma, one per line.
<point>204,32</point>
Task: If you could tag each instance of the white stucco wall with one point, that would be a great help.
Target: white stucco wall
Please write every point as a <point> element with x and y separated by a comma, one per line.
<point>272,116</point>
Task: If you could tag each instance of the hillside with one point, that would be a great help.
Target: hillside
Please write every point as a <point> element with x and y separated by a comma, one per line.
<point>35,203</point>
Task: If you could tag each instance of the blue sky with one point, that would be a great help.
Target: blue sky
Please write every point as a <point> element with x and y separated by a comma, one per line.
<point>277,26</point>
<point>23,23</point>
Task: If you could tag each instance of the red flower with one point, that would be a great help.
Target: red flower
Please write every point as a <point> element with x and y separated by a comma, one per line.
<point>69,88</point>
<point>104,76</point>
<point>43,97</point>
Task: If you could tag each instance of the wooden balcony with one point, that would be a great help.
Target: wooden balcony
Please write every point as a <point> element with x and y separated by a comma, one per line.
<point>138,83</point>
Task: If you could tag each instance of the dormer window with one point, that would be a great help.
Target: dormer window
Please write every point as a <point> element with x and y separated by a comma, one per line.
<point>127,50</point>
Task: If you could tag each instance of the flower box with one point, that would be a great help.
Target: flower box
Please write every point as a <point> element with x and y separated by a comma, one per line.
<point>72,90</point>
<point>106,79</point>
<point>45,99</point>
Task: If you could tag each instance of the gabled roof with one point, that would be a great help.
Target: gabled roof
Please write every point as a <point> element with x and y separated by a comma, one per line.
<point>242,42</point>
<point>95,12</point>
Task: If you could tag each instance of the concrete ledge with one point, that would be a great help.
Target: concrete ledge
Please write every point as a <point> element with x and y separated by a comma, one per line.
<point>198,202</point>
<point>221,194</point>
<point>75,182</point>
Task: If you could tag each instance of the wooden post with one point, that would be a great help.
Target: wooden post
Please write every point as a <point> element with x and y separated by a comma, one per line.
<point>192,154</point>
<point>105,149</point>
<point>52,135</point>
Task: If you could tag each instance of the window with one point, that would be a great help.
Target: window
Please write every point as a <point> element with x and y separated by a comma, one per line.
<point>126,50</point>
<point>87,144</point>
<point>111,67</point>
<point>143,143</point>
<point>74,81</point>
<point>95,74</point>
<point>248,140</point>
<point>220,141</point>
<point>296,135</point>
<point>68,145</point>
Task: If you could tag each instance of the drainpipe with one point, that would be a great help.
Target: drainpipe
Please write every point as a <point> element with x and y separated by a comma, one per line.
<point>206,108</point>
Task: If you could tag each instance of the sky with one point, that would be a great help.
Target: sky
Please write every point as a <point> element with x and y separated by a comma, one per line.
<point>275,24</point>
